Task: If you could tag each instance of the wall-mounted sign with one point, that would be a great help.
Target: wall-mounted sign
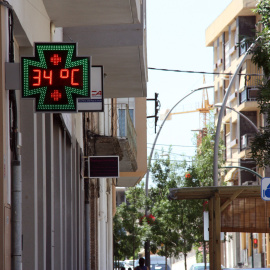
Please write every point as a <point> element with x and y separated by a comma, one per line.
<point>103,166</point>
<point>55,77</point>
<point>265,188</point>
<point>96,102</point>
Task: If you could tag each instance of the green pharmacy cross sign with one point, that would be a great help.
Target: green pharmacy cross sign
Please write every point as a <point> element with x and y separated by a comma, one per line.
<point>55,77</point>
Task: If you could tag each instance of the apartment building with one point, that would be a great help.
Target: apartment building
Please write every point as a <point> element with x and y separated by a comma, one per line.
<point>241,119</point>
<point>56,217</point>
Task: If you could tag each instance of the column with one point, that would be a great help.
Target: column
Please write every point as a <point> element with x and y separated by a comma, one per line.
<point>29,185</point>
<point>41,189</point>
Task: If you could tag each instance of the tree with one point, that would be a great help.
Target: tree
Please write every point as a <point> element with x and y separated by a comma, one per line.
<point>183,219</point>
<point>260,146</point>
<point>128,233</point>
<point>204,158</point>
<point>178,223</point>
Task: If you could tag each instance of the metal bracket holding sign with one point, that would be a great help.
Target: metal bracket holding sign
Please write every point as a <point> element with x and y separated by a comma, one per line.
<point>55,77</point>
<point>96,101</point>
<point>103,166</point>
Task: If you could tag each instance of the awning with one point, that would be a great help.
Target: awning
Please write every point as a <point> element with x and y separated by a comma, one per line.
<point>241,207</point>
<point>224,192</point>
<point>231,209</point>
<point>231,175</point>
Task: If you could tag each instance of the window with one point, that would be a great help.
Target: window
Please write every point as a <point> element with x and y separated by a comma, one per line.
<point>246,26</point>
<point>123,121</point>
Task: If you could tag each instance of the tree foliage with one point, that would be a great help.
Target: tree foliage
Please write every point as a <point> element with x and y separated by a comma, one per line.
<point>128,233</point>
<point>204,159</point>
<point>260,147</point>
<point>178,223</point>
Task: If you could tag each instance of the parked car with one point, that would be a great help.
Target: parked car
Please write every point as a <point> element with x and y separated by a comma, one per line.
<point>159,263</point>
<point>201,266</point>
<point>129,264</point>
<point>118,264</point>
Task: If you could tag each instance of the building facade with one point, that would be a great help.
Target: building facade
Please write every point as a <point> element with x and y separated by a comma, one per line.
<point>52,216</point>
<point>241,119</point>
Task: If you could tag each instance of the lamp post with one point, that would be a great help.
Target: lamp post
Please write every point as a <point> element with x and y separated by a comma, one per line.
<point>241,114</point>
<point>147,243</point>
<point>221,113</point>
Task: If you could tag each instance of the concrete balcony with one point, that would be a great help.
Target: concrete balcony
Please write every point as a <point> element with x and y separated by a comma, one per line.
<point>70,13</point>
<point>121,130</point>
<point>113,33</point>
<point>125,145</point>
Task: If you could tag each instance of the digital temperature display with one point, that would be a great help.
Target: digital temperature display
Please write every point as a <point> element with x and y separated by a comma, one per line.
<point>55,77</point>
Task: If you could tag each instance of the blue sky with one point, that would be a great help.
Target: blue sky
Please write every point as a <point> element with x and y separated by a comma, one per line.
<point>176,40</point>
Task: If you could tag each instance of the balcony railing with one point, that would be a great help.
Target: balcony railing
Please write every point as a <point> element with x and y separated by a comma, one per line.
<point>244,45</point>
<point>125,126</point>
<point>249,94</point>
<point>227,55</point>
<point>131,132</point>
<point>228,148</point>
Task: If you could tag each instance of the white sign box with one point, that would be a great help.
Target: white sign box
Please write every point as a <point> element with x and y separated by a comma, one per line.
<point>96,101</point>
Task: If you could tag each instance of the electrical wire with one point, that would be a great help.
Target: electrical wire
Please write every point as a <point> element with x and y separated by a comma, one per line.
<point>177,145</point>
<point>202,72</point>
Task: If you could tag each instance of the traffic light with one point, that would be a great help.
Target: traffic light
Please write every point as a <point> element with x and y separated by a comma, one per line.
<point>157,107</point>
<point>255,243</point>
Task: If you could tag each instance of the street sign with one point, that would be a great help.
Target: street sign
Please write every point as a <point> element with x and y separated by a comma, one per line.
<point>96,101</point>
<point>103,166</point>
<point>55,77</point>
<point>265,188</point>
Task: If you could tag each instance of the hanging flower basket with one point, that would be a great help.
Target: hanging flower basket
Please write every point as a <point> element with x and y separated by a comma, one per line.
<point>149,218</point>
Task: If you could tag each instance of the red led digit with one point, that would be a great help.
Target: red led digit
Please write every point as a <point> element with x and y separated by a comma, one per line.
<point>64,73</point>
<point>72,76</point>
<point>45,76</point>
<point>38,77</point>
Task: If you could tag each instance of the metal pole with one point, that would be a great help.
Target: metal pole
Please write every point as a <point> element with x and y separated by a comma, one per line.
<point>87,224</point>
<point>230,108</point>
<point>147,243</point>
<point>245,169</point>
<point>221,113</point>
<point>16,215</point>
<point>252,250</point>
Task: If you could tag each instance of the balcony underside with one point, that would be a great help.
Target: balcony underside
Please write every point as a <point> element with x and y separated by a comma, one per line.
<point>92,12</point>
<point>120,50</point>
<point>111,32</point>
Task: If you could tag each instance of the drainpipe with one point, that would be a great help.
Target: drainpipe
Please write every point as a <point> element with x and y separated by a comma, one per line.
<point>16,178</point>
<point>16,215</point>
<point>86,197</point>
<point>87,224</point>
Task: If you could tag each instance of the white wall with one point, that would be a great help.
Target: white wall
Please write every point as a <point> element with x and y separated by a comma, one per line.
<point>105,234</point>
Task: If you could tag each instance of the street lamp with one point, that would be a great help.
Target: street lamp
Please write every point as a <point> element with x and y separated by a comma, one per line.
<point>241,114</point>
<point>221,113</point>
<point>204,86</point>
